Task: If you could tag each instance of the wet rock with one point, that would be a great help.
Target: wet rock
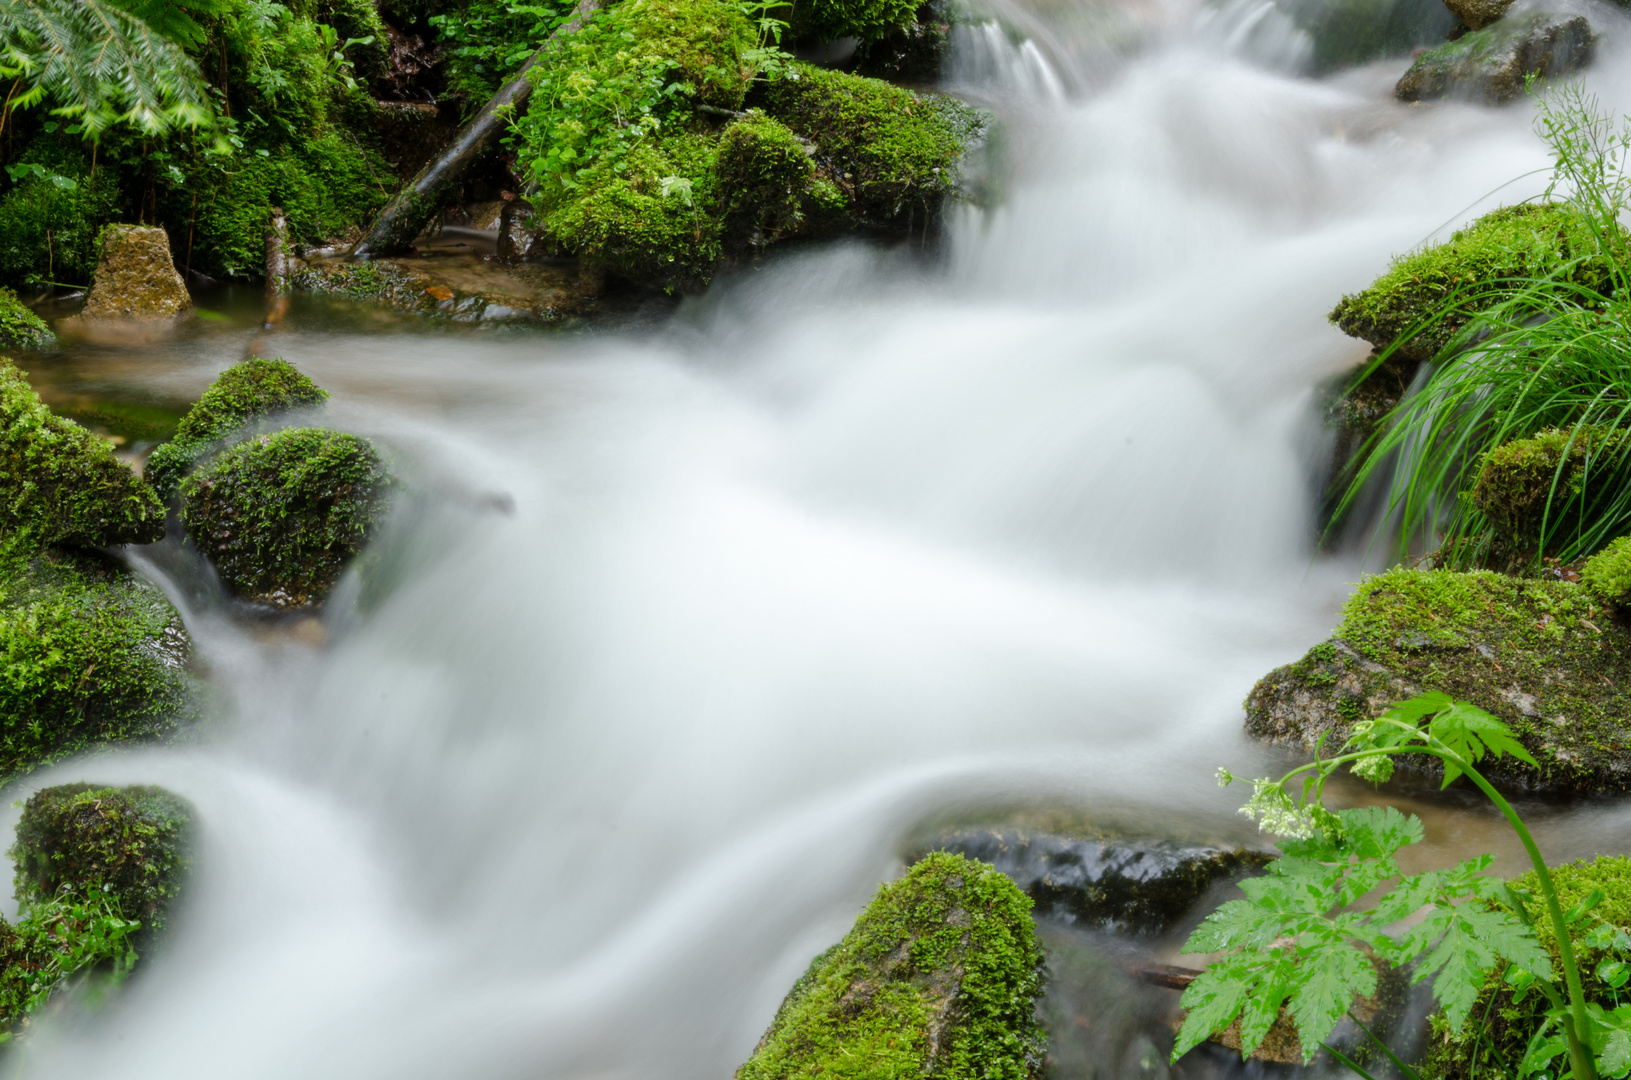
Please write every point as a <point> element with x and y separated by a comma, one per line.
<point>130,844</point>
<point>1491,65</point>
<point>59,484</point>
<point>20,328</point>
<point>1123,884</point>
<point>1353,406</point>
<point>459,289</point>
<point>136,283</point>
<point>251,391</point>
<point>1540,654</point>
<point>411,132</point>
<point>92,653</point>
<point>281,515</point>
<point>939,977</point>
<point>1477,14</point>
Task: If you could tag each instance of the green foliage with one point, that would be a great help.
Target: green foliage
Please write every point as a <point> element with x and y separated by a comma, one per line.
<point>487,41</point>
<point>99,65</point>
<point>89,654</point>
<point>129,844</point>
<point>281,515</point>
<point>177,20</point>
<point>59,941</point>
<point>1608,573</point>
<point>895,155</point>
<point>1521,355</point>
<point>1536,492</point>
<point>20,328</point>
<point>51,214</point>
<point>763,174</point>
<point>251,390</point>
<point>59,484</point>
<point>953,938</point>
<point>867,20</point>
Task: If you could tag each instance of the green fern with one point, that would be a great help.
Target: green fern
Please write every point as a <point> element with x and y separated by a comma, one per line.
<point>177,19</point>
<point>99,65</point>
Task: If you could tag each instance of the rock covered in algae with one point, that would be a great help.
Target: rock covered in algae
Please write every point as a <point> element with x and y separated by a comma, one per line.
<point>1537,491</point>
<point>131,844</point>
<point>91,654</point>
<point>61,484</point>
<point>1512,242</point>
<point>1542,655</point>
<point>252,390</point>
<point>1492,65</point>
<point>136,279</point>
<point>281,515</point>
<point>20,328</point>
<point>939,977</point>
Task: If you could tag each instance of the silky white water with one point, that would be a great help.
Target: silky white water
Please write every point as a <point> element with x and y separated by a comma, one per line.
<point>677,634</point>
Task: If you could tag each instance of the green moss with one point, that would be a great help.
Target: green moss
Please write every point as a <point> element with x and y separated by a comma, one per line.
<point>281,515</point>
<point>373,281</point>
<point>1537,491</point>
<point>128,843</point>
<point>1608,573</point>
<point>89,654</point>
<point>62,485</point>
<point>1541,655</point>
<point>868,20</point>
<point>1498,1029</point>
<point>251,390</point>
<point>1515,241</point>
<point>896,156</point>
<point>939,977</point>
<point>653,220</point>
<point>20,328</point>
<point>763,174</point>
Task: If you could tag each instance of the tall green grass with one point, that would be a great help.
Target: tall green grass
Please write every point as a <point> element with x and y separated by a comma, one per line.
<point>1536,353</point>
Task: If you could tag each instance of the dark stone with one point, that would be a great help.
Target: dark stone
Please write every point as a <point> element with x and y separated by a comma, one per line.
<point>1492,64</point>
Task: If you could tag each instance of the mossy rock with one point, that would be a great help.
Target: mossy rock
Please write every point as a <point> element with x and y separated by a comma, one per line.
<point>281,515</point>
<point>865,20</point>
<point>136,278</point>
<point>894,155</point>
<point>916,52</point>
<point>89,654</point>
<point>20,328</point>
<point>1537,491</point>
<point>1493,65</point>
<point>1498,1029</point>
<point>255,389</point>
<point>61,484</point>
<point>939,977</point>
<point>1516,241</point>
<point>1353,406</point>
<point>763,171</point>
<point>1541,655</point>
<point>1608,574</point>
<point>131,844</point>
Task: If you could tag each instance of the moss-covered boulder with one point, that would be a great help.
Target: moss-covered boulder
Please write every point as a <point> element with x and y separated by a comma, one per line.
<point>130,844</point>
<point>1542,655</point>
<point>61,484</point>
<point>1499,1027</point>
<point>1513,242</point>
<point>865,20</point>
<point>764,172</point>
<point>20,328</point>
<point>1492,65</point>
<point>281,515</point>
<point>255,389</point>
<point>89,654</point>
<point>895,156</point>
<point>915,52</point>
<point>1608,574</point>
<point>939,977</point>
<point>136,278</point>
<point>1537,491</point>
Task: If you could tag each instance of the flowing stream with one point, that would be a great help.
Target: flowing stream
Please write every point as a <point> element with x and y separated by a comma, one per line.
<point>681,632</point>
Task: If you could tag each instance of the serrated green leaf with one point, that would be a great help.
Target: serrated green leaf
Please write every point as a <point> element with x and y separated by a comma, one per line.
<point>1413,709</point>
<point>1212,1002</point>
<point>1325,982</point>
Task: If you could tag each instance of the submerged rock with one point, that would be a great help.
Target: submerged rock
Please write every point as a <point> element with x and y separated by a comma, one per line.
<point>939,977</point>
<point>1492,64</point>
<point>1541,655</point>
<point>281,515</point>
<point>136,281</point>
<point>92,654</point>
<point>252,390</point>
<point>20,328</point>
<point>1115,883</point>
<point>60,484</point>
<point>130,844</point>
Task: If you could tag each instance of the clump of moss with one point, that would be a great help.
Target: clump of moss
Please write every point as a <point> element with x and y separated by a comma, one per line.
<point>20,328</point>
<point>61,484</point>
<point>247,391</point>
<point>1608,573</point>
<point>939,977</point>
<point>763,173</point>
<point>281,515</point>
<point>1513,242</point>
<point>867,20</point>
<point>1536,491</point>
<point>895,155</point>
<point>1539,654</point>
<point>89,654</point>
<point>1498,1029</point>
<point>130,844</point>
